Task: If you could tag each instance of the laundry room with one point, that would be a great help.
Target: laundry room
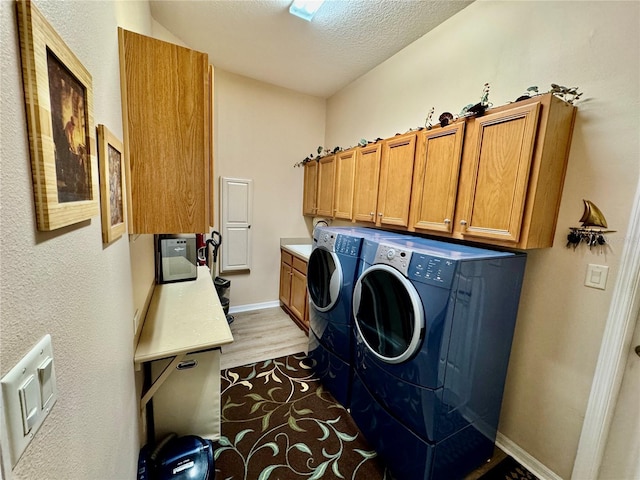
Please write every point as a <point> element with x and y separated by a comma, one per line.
<point>277,112</point>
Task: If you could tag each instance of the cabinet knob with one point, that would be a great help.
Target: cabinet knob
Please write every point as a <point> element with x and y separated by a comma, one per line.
<point>379,214</point>
<point>463,222</point>
<point>447,221</point>
<point>372,214</point>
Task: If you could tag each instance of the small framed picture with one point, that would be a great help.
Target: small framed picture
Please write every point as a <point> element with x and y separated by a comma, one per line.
<point>112,185</point>
<point>59,104</point>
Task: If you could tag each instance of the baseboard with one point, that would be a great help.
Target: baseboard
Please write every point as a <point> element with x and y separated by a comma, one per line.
<point>254,306</point>
<point>525,459</point>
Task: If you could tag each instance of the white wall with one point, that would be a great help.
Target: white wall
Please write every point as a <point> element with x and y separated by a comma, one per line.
<point>513,45</point>
<point>260,132</point>
<point>66,282</point>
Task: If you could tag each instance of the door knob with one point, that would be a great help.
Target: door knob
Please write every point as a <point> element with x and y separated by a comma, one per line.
<point>638,350</point>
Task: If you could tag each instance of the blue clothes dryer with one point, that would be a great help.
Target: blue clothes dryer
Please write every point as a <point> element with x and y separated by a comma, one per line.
<point>331,272</point>
<point>434,323</point>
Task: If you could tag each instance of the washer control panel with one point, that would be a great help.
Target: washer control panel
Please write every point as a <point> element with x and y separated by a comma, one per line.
<point>342,244</point>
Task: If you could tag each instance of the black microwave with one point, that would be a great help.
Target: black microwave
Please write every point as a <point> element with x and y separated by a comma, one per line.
<point>177,258</point>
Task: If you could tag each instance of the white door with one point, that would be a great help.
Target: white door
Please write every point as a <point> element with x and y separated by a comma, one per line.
<point>236,210</point>
<point>622,454</point>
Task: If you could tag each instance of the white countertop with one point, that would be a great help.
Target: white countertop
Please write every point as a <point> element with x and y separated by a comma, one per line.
<point>302,251</point>
<point>183,317</point>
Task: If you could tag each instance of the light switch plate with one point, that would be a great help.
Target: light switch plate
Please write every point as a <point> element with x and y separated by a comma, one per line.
<point>596,276</point>
<point>23,388</point>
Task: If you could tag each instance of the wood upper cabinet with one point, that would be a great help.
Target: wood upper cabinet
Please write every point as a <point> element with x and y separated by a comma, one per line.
<point>495,179</point>
<point>396,174</point>
<point>344,184</point>
<point>513,172</point>
<point>435,178</point>
<point>326,185</point>
<point>167,121</point>
<point>367,176</point>
<point>310,199</point>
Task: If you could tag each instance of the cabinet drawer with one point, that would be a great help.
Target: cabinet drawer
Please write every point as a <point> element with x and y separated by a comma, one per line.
<point>286,257</point>
<point>300,265</point>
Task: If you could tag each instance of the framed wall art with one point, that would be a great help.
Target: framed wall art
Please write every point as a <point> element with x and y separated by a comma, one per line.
<point>59,104</point>
<point>112,186</point>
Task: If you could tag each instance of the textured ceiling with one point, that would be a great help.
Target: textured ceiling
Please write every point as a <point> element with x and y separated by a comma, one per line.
<point>261,40</point>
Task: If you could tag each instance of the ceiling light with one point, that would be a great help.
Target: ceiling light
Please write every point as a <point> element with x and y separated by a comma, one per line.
<point>305,9</point>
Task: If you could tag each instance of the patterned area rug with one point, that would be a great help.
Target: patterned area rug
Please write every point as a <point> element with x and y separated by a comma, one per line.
<point>279,423</point>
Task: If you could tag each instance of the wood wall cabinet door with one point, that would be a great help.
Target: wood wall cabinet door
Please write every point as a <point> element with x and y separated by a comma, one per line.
<point>367,176</point>
<point>513,171</point>
<point>166,104</point>
<point>310,198</point>
<point>345,177</point>
<point>502,148</point>
<point>326,185</point>
<point>396,175</point>
<point>435,179</point>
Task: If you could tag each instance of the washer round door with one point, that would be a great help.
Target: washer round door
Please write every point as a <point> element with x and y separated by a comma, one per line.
<point>388,313</point>
<point>324,278</point>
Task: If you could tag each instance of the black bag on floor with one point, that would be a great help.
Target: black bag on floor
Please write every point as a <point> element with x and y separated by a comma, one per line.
<point>178,458</point>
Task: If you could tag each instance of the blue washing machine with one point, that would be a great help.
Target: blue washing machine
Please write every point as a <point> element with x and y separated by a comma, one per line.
<point>331,272</point>
<point>434,323</point>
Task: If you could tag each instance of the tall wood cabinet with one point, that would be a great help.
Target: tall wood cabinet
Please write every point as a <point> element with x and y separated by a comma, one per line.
<point>167,122</point>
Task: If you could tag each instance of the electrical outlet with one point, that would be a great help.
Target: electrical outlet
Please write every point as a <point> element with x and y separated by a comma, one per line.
<point>28,393</point>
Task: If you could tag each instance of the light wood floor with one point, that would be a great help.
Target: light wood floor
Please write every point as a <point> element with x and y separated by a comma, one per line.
<point>262,335</point>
